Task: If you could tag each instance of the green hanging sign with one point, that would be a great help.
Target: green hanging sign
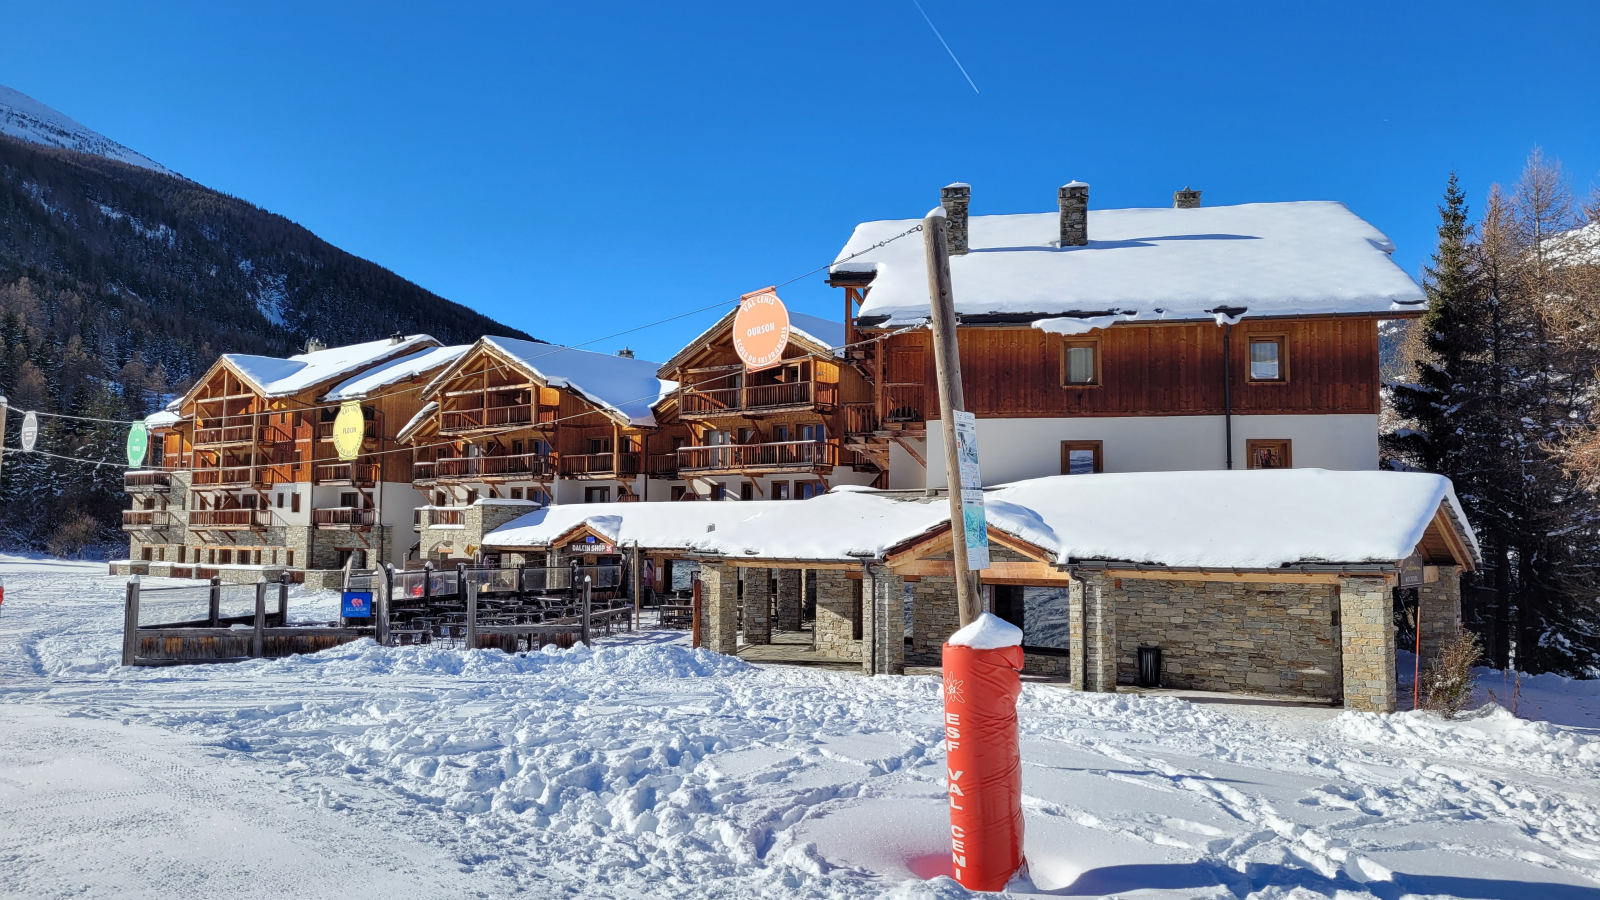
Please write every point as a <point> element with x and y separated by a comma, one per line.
<point>138,444</point>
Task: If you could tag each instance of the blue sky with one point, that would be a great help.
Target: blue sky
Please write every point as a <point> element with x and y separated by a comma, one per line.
<point>571,168</point>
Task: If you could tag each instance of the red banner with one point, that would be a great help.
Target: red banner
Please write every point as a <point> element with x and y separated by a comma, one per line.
<point>985,764</point>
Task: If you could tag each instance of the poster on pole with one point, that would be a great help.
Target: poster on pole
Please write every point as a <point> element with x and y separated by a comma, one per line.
<point>972,517</point>
<point>349,430</point>
<point>30,431</point>
<point>138,444</point>
<point>760,329</point>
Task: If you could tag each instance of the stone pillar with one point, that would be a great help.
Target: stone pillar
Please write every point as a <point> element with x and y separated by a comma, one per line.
<point>1366,629</point>
<point>1440,604</point>
<point>1094,635</point>
<point>719,610</point>
<point>884,642</point>
<point>835,632</point>
<point>790,600</point>
<point>757,604</point>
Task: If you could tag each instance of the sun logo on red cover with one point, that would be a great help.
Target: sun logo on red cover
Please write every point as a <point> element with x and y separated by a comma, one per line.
<point>952,690</point>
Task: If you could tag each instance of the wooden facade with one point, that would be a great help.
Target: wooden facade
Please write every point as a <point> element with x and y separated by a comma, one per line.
<point>749,427</point>
<point>499,429</point>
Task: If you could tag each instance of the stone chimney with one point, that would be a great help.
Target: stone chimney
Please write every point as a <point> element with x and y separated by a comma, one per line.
<point>1186,199</point>
<point>397,338</point>
<point>1073,199</point>
<point>955,198</point>
<point>315,345</point>
<point>625,353</point>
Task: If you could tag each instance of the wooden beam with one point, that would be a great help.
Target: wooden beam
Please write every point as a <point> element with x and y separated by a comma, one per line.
<point>906,446</point>
<point>1447,529</point>
<point>1236,577</point>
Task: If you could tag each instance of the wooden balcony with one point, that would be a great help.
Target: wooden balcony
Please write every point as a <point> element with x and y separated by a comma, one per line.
<point>346,517</point>
<point>347,473</point>
<point>231,476</point>
<point>158,482</point>
<point>903,403</point>
<point>518,467</point>
<point>457,421</point>
<point>778,456</point>
<point>230,518</point>
<point>663,465</point>
<point>447,517</point>
<point>600,465</point>
<point>142,519</point>
<point>757,399</point>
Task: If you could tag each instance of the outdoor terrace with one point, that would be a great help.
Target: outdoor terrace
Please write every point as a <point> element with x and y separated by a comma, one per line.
<point>521,466</point>
<point>777,456</point>
<point>697,403</point>
<point>158,482</point>
<point>344,517</point>
<point>230,518</point>
<point>142,519</point>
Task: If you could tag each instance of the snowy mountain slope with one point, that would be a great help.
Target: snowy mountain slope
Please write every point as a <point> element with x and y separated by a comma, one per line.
<point>23,117</point>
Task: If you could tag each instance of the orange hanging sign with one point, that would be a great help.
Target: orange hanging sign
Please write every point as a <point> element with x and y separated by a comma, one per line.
<point>761,329</point>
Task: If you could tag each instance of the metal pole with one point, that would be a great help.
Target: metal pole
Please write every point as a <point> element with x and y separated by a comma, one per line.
<point>587,585</point>
<point>283,599</point>
<point>947,362</point>
<point>382,624</point>
<point>130,623</point>
<point>216,601</point>
<point>638,587</point>
<point>472,616</point>
<point>694,615</point>
<point>258,636</point>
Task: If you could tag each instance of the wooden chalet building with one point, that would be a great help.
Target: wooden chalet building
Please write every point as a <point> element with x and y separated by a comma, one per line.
<point>514,424</point>
<point>1129,340</point>
<point>245,476</point>
<point>773,434</point>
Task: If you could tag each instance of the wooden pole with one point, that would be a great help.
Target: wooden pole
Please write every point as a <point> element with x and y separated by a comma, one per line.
<point>694,616</point>
<point>283,599</point>
<point>130,623</point>
<point>587,608</point>
<point>638,587</point>
<point>947,362</point>
<point>258,636</point>
<point>216,600</point>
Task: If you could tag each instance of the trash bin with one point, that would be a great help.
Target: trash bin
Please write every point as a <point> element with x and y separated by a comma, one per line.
<point>1149,667</point>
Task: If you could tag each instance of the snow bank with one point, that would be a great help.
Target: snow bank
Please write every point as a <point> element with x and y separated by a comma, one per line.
<point>1491,732</point>
<point>1273,258</point>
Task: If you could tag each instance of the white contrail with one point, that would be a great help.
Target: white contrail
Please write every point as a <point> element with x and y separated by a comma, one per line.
<point>946,45</point>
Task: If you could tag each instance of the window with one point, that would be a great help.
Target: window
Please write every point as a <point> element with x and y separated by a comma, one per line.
<point>280,499</point>
<point>1268,359</point>
<point>597,495</point>
<point>780,490</point>
<point>472,496</point>
<point>516,448</point>
<point>1081,457</point>
<point>290,558</point>
<point>780,434</point>
<point>805,490</point>
<point>1080,363</point>
<point>349,499</point>
<point>719,491</point>
<point>225,556</point>
<point>146,552</point>
<point>599,445</point>
<point>678,492</point>
<point>516,493</point>
<point>294,502</point>
<point>747,491</point>
<point>1268,454</point>
<point>816,433</point>
<point>438,498</point>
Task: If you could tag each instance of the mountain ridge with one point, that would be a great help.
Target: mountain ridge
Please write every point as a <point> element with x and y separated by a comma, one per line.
<point>27,119</point>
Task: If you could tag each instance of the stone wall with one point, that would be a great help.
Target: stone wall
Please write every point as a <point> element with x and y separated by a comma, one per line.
<point>1440,602</point>
<point>789,601</point>
<point>1229,636</point>
<point>756,601</point>
<point>719,597</point>
<point>835,629</point>
<point>1366,619</point>
<point>1094,634</point>
<point>327,542</point>
<point>883,647</point>
<point>934,618</point>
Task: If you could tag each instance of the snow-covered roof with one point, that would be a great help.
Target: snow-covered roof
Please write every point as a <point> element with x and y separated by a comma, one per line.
<point>617,384</point>
<point>826,332</point>
<point>834,526</point>
<point>276,377</point>
<point>428,409</point>
<point>1275,259</point>
<point>396,371</point>
<point>1218,519</point>
<point>162,419</point>
<point>1241,519</point>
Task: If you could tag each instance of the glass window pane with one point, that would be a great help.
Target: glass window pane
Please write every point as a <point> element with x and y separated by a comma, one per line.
<point>1080,365</point>
<point>1046,618</point>
<point>1264,360</point>
<point>1080,462</point>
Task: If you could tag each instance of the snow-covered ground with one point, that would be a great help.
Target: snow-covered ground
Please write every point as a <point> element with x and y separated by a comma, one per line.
<point>646,769</point>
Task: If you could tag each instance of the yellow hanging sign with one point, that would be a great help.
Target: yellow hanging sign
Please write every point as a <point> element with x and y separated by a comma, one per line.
<point>349,430</point>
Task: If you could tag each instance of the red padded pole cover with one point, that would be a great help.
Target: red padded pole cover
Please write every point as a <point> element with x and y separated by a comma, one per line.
<point>985,764</point>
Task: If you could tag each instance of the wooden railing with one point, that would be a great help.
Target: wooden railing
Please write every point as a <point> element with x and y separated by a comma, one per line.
<point>424,470</point>
<point>362,473</point>
<point>755,398</point>
<point>452,420</point>
<point>619,464</point>
<point>343,515</point>
<point>860,418</point>
<point>228,476</point>
<point>663,465</point>
<point>147,481</point>
<point>903,403</point>
<point>225,434</point>
<point>447,517</point>
<point>325,431</point>
<point>237,518</point>
<point>146,518</point>
<point>530,465</point>
<point>779,454</point>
